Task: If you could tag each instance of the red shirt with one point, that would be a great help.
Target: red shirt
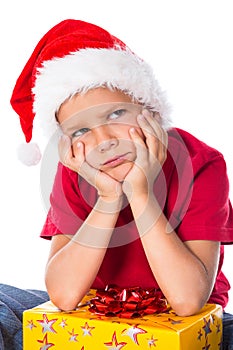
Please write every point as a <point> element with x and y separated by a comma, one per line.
<point>192,190</point>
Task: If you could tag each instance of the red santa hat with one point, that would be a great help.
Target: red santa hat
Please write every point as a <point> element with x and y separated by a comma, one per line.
<point>76,56</point>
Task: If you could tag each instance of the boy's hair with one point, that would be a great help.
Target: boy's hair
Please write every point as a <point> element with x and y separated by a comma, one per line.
<point>76,56</point>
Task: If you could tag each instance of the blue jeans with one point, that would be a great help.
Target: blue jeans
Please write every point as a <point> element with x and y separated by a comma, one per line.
<point>227,343</point>
<point>13,301</point>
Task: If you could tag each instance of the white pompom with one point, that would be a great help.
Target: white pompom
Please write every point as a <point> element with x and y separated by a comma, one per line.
<point>29,153</point>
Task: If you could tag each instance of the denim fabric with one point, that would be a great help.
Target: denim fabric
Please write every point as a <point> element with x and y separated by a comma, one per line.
<point>227,343</point>
<point>13,301</point>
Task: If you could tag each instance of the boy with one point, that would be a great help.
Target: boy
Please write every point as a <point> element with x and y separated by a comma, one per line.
<point>157,208</point>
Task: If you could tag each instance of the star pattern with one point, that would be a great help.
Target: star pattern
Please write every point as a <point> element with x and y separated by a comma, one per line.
<point>30,325</point>
<point>63,323</point>
<point>47,325</point>
<point>206,346</point>
<point>87,329</point>
<point>200,334</point>
<point>73,336</point>
<point>133,333</point>
<point>151,341</point>
<point>114,345</point>
<point>218,326</point>
<point>174,321</point>
<point>45,344</point>
<point>206,327</point>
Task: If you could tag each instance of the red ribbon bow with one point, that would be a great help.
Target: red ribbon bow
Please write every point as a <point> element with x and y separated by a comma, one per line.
<point>127,302</point>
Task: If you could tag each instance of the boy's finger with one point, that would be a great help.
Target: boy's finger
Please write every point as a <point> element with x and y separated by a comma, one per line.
<point>64,149</point>
<point>153,125</point>
<point>152,139</point>
<point>81,165</point>
<point>78,150</point>
<point>144,125</point>
<point>157,137</point>
<point>141,149</point>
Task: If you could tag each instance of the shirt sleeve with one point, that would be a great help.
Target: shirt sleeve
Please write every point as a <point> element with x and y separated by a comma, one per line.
<point>68,208</point>
<point>209,214</point>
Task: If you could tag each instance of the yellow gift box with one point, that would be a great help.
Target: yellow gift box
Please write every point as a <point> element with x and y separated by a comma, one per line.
<point>45,327</point>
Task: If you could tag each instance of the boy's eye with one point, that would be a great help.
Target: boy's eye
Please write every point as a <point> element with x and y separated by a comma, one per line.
<point>116,114</point>
<point>80,132</point>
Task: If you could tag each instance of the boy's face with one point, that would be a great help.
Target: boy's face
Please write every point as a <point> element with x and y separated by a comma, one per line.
<point>101,120</point>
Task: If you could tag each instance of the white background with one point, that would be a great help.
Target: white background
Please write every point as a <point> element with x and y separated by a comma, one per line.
<point>189,44</point>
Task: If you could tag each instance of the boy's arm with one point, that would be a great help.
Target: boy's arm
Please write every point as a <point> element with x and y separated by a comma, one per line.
<point>74,261</point>
<point>186,271</point>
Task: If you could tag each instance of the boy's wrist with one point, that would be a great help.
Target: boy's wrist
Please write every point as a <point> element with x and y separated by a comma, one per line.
<point>139,198</point>
<point>109,205</point>
<point>139,202</point>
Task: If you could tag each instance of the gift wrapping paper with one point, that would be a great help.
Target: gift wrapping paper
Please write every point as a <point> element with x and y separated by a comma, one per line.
<point>46,327</point>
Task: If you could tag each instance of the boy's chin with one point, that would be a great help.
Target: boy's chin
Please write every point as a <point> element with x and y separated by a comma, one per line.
<point>119,173</point>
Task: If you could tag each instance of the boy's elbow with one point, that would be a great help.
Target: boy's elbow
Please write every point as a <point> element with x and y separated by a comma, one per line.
<point>63,296</point>
<point>64,305</point>
<point>64,299</point>
<point>187,307</point>
<point>67,303</point>
<point>186,310</point>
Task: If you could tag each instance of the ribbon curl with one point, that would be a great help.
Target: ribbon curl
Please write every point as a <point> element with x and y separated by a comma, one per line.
<point>127,302</point>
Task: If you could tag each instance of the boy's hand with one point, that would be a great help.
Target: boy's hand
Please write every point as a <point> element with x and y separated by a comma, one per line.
<point>151,153</point>
<point>108,188</point>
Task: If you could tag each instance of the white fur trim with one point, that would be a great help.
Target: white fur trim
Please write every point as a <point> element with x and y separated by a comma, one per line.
<point>29,153</point>
<point>80,71</point>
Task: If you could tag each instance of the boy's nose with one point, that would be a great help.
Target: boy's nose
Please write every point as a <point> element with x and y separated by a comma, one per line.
<point>107,145</point>
<point>105,140</point>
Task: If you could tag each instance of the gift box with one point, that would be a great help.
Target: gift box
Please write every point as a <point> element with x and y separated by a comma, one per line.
<point>46,327</point>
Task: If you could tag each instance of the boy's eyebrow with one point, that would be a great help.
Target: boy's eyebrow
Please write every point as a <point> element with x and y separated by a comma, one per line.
<point>98,112</point>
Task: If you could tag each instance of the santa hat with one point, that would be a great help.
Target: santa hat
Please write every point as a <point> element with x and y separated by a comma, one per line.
<point>76,56</point>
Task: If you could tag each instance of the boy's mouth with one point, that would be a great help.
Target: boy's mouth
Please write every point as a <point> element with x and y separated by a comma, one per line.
<point>116,160</point>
